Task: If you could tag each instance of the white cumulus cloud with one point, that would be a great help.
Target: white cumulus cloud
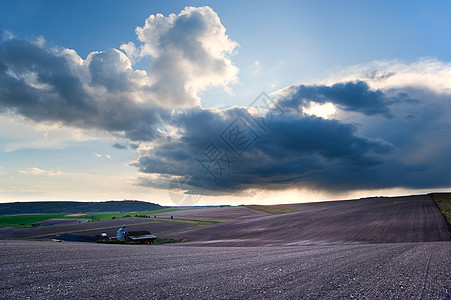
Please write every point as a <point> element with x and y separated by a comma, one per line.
<point>38,171</point>
<point>189,52</point>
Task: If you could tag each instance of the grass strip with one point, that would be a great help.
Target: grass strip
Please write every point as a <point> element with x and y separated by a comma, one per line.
<point>443,202</point>
<point>27,220</point>
<point>271,209</point>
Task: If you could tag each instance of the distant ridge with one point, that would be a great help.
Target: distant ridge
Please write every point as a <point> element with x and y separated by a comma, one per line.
<point>76,207</point>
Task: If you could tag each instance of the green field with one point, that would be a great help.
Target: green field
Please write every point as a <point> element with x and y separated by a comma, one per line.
<point>29,219</point>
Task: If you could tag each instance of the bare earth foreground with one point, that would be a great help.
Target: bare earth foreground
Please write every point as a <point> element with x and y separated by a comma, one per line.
<point>390,248</point>
<point>46,270</point>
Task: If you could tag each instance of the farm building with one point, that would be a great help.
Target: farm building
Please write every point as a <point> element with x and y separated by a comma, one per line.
<point>144,237</point>
<point>69,237</point>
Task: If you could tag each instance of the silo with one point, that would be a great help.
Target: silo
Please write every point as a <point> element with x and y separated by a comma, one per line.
<point>122,233</point>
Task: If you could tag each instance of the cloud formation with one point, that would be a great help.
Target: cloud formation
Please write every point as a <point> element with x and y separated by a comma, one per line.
<point>49,85</point>
<point>189,53</point>
<point>389,130</point>
<point>38,171</point>
<point>349,96</point>
<point>293,150</point>
<point>391,137</point>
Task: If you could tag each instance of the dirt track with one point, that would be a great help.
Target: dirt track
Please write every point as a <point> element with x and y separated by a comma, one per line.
<point>375,220</point>
<point>46,270</point>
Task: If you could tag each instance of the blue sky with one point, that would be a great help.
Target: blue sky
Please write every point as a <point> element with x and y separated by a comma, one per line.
<point>123,115</point>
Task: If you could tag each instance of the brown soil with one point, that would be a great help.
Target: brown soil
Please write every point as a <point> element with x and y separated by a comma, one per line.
<point>374,220</point>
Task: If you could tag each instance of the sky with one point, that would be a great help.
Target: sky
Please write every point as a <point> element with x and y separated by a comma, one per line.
<point>215,102</point>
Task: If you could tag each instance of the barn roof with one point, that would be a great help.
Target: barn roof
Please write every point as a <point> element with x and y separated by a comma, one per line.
<point>69,237</point>
<point>142,237</point>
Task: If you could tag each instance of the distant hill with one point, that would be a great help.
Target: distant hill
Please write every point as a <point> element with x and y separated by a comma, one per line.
<point>76,207</point>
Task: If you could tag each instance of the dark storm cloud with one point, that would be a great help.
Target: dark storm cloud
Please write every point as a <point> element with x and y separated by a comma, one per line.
<point>401,140</point>
<point>349,96</point>
<point>294,150</point>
